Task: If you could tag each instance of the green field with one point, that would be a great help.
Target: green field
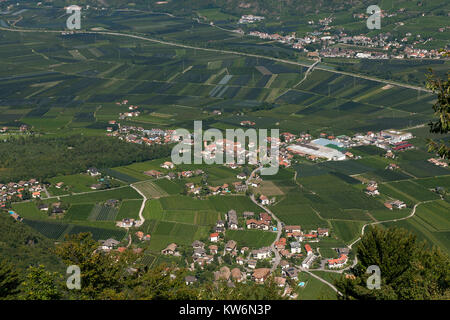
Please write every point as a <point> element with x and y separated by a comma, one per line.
<point>251,238</point>
<point>129,209</point>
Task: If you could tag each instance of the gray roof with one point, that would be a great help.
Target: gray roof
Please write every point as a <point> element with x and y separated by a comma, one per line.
<point>110,242</point>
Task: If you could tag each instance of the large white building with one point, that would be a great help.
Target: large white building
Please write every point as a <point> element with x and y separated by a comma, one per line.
<point>317,150</point>
<point>396,136</point>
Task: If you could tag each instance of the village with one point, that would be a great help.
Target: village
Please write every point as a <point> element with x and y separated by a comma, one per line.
<point>381,46</point>
<point>230,262</point>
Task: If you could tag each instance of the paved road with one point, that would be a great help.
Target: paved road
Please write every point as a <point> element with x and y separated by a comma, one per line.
<point>169,43</point>
<point>279,227</point>
<point>141,216</point>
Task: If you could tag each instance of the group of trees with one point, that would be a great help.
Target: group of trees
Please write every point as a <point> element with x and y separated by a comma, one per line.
<point>43,157</point>
<point>410,270</point>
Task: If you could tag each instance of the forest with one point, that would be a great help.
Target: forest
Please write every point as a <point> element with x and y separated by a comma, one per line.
<point>42,157</point>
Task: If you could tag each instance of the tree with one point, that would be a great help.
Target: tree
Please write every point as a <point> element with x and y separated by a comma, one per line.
<point>99,271</point>
<point>441,110</point>
<point>409,270</point>
<point>162,283</point>
<point>9,280</point>
<point>242,291</point>
<point>40,284</point>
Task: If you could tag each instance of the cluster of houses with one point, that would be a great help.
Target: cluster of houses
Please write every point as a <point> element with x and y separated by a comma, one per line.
<point>263,223</point>
<point>173,175</point>
<point>380,46</point>
<point>386,139</point>
<point>15,190</point>
<point>397,204</point>
<point>22,129</point>
<point>139,135</point>
<point>372,188</point>
<point>53,209</point>
<point>438,163</point>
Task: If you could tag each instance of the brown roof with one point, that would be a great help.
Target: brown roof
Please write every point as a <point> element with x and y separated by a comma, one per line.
<point>236,273</point>
<point>261,273</point>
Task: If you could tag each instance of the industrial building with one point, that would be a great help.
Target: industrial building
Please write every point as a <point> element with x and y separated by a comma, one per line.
<point>317,150</point>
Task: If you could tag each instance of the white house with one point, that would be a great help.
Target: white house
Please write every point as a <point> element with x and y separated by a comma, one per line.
<point>264,200</point>
<point>296,247</point>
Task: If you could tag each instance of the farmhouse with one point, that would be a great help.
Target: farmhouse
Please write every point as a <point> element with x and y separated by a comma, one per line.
<point>213,249</point>
<point>237,275</point>
<point>337,263</point>
<point>251,263</point>
<point>284,264</point>
<point>223,274</point>
<point>295,247</point>
<point>214,237</point>
<point>230,246</point>
<point>108,244</point>
<point>232,219</point>
<point>372,191</point>
<point>167,165</point>
<point>239,187</point>
<point>323,232</point>
<point>290,272</point>
<point>93,171</point>
<point>198,244</point>
<point>292,229</point>
<point>395,204</point>
<point>170,250</point>
<point>280,281</point>
<point>126,223</point>
<point>262,253</point>
<point>265,217</point>
<point>260,275</point>
<point>257,224</point>
<point>264,200</point>
<point>280,244</point>
<point>153,173</point>
<point>308,249</point>
<point>308,261</point>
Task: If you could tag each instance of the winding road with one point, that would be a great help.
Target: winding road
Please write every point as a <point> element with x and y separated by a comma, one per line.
<point>144,201</point>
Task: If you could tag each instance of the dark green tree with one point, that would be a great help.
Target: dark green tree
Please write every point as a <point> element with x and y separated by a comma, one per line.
<point>409,269</point>
<point>9,280</point>
<point>40,284</point>
<point>441,110</point>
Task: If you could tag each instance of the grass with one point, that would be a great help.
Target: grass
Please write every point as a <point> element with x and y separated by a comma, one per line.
<point>251,238</point>
<point>129,209</point>
<point>347,231</point>
<point>76,183</point>
<point>29,210</point>
<point>121,193</point>
<point>150,189</point>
